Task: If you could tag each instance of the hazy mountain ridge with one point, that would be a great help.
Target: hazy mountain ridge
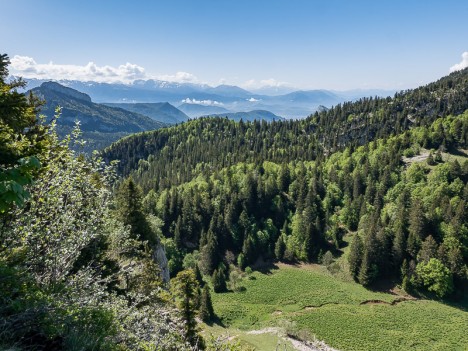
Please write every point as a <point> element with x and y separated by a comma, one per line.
<point>99,123</point>
<point>284,102</point>
<point>197,110</point>
<point>158,111</point>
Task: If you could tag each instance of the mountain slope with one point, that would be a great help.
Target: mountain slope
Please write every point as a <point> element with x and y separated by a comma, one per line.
<point>346,124</point>
<point>197,110</point>
<point>100,124</point>
<point>296,104</point>
<point>160,111</point>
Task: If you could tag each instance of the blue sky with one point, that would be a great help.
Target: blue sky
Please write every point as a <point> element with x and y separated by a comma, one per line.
<point>308,44</point>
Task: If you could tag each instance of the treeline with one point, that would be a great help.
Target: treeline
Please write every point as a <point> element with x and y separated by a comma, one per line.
<point>175,155</point>
<point>409,219</point>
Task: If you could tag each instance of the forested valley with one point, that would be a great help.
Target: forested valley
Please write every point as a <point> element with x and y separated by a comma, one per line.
<point>128,248</point>
<point>242,193</point>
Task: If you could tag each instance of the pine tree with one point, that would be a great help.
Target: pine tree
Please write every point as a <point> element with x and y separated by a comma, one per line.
<point>430,159</point>
<point>185,288</point>
<point>416,227</point>
<point>280,247</point>
<point>219,280</point>
<point>248,250</point>
<point>428,250</point>
<point>369,271</point>
<point>355,256</point>
<point>178,233</point>
<point>209,254</point>
<point>206,307</point>
<point>130,211</point>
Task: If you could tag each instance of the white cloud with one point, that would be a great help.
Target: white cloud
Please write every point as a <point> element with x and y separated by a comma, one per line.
<point>29,68</point>
<point>462,64</point>
<point>252,100</point>
<point>264,83</point>
<point>180,77</point>
<point>202,102</point>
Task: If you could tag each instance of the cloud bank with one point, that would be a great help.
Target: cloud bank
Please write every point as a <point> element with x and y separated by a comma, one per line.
<point>27,67</point>
<point>463,64</point>
<point>202,102</point>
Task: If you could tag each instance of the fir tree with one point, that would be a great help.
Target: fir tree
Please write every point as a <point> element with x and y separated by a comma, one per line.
<point>219,280</point>
<point>280,247</point>
<point>355,256</point>
<point>185,288</point>
<point>206,307</point>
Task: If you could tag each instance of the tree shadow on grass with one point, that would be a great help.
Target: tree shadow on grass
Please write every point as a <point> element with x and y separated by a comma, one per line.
<point>265,267</point>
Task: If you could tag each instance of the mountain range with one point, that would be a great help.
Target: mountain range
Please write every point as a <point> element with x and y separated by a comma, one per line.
<point>282,102</point>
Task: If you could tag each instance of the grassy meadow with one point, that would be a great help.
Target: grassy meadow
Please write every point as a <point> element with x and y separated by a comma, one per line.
<point>310,302</point>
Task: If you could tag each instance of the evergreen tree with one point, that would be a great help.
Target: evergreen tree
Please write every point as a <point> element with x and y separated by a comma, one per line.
<point>416,227</point>
<point>219,280</point>
<point>178,233</point>
<point>206,307</point>
<point>280,247</point>
<point>369,271</point>
<point>355,256</point>
<point>209,254</point>
<point>130,211</point>
<point>22,139</point>
<point>428,250</point>
<point>185,288</point>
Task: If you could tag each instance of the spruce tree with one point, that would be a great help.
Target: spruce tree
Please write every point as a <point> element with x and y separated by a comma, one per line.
<point>355,256</point>
<point>185,288</point>
<point>416,227</point>
<point>206,307</point>
<point>219,280</point>
<point>130,211</point>
<point>209,254</point>
<point>280,247</point>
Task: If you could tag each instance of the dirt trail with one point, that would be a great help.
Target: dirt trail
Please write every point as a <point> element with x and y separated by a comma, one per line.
<point>298,345</point>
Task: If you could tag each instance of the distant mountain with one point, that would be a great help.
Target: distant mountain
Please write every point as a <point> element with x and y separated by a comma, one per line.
<point>100,124</point>
<point>230,91</point>
<point>159,111</point>
<point>322,97</point>
<point>197,110</point>
<point>259,115</point>
<point>279,100</point>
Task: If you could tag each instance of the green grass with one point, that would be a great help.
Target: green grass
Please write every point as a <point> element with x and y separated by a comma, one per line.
<point>313,301</point>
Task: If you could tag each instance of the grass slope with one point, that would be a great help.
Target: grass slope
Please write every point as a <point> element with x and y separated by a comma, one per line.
<point>313,301</point>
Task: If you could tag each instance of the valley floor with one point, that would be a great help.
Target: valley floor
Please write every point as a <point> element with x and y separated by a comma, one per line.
<point>309,303</point>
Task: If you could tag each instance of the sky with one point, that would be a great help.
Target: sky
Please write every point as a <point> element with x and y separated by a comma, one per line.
<point>305,44</point>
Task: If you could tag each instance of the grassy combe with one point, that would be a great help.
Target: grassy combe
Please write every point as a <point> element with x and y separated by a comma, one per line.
<point>309,300</point>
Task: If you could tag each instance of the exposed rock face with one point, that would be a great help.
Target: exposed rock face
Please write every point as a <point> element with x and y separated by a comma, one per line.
<point>159,256</point>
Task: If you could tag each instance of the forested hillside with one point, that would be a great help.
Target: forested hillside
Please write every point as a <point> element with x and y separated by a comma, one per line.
<point>218,143</point>
<point>236,193</point>
<point>100,124</point>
